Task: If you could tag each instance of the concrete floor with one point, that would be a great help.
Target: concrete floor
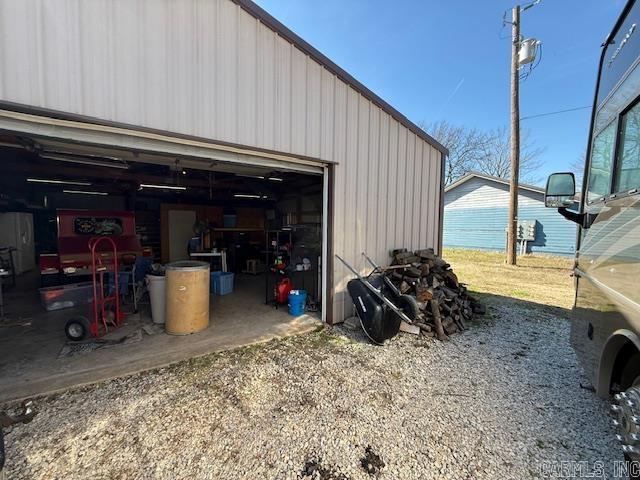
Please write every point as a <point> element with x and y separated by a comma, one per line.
<point>30,345</point>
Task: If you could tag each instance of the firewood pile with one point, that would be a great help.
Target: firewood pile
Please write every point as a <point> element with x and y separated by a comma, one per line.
<point>444,304</point>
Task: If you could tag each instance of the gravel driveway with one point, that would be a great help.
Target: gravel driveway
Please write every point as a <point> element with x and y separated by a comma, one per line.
<point>502,400</point>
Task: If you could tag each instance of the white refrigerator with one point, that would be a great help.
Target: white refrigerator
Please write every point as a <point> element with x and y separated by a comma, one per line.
<point>16,230</point>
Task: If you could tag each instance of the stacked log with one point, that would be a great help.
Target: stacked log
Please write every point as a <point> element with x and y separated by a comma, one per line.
<point>444,303</point>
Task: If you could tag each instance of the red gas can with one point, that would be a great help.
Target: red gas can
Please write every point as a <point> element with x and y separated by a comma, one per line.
<point>281,291</point>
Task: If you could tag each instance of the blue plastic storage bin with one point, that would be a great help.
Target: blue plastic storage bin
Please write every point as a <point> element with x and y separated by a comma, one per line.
<point>297,302</point>
<point>213,282</point>
<point>222,282</point>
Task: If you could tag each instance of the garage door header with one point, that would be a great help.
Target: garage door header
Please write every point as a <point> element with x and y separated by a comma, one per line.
<point>60,125</point>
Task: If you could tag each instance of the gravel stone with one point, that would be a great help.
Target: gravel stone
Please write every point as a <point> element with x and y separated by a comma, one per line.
<point>501,400</point>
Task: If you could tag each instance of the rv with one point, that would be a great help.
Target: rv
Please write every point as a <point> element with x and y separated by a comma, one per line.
<point>605,328</point>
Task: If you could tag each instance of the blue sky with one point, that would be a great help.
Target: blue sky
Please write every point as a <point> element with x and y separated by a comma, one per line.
<point>436,60</point>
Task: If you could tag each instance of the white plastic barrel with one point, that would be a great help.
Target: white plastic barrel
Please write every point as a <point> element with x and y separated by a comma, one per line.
<point>156,286</point>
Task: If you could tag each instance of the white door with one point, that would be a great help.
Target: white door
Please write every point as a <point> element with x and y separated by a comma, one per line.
<point>26,247</point>
<point>16,231</point>
<point>180,232</point>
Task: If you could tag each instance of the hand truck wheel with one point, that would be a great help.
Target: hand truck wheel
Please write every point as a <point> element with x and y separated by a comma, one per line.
<point>77,328</point>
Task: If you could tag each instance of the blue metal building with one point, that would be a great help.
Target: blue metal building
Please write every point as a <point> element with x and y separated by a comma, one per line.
<point>476,212</point>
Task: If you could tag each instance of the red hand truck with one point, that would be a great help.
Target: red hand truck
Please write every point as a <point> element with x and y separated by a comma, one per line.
<point>105,307</point>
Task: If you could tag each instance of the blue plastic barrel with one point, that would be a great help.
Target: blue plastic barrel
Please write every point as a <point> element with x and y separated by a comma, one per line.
<point>297,302</point>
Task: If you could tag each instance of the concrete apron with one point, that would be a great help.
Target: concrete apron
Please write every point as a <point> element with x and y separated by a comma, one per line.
<point>130,359</point>
<point>34,368</point>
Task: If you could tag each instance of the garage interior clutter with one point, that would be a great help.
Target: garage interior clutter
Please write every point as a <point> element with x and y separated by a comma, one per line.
<point>104,246</point>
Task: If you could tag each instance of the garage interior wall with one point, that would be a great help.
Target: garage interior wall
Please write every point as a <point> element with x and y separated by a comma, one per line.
<point>213,70</point>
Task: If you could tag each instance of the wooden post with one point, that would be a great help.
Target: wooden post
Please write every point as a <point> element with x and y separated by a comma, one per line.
<point>512,234</point>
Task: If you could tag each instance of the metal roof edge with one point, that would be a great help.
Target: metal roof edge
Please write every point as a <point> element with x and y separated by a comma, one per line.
<point>278,27</point>
<point>503,181</point>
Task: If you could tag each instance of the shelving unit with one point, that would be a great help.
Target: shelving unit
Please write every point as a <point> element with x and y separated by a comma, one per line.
<point>271,252</point>
<point>302,279</point>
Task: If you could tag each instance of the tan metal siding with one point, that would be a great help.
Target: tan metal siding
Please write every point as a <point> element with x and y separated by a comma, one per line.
<point>266,86</point>
<point>416,206</point>
<point>408,220</point>
<point>246,99</point>
<point>382,199</point>
<point>373,166</point>
<point>313,118</point>
<point>283,94</point>
<point>401,194</point>
<point>427,172</point>
<point>298,112</point>
<point>358,183</point>
<point>328,122</point>
<point>212,70</point>
<point>339,221</point>
<point>392,197</point>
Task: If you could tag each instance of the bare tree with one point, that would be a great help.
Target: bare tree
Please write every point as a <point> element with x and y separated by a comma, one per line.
<point>464,144</point>
<point>485,152</point>
<point>577,167</point>
<point>495,158</point>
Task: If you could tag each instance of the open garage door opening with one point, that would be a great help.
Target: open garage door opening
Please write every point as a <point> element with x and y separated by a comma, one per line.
<point>257,227</point>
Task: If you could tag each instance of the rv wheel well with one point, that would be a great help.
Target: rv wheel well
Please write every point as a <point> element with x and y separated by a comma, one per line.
<point>625,368</point>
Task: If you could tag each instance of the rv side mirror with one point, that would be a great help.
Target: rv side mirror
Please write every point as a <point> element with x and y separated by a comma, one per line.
<point>561,188</point>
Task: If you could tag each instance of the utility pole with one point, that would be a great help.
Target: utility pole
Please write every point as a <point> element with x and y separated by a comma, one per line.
<point>512,232</point>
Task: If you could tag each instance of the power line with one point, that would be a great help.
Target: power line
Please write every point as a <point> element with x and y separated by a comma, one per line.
<point>555,113</point>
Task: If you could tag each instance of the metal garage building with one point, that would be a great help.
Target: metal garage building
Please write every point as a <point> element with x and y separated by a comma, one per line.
<point>476,214</point>
<point>223,81</point>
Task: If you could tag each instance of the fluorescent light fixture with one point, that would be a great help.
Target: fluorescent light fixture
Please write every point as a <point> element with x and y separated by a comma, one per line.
<point>57,182</point>
<point>85,161</point>
<point>260,177</point>
<point>162,187</point>
<point>247,195</point>
<point>84,192</point>
<point>276,179</point>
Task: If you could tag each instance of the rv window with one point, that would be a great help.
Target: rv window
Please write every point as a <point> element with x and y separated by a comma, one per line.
<point>601,164</point>
<point>628,166</point>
